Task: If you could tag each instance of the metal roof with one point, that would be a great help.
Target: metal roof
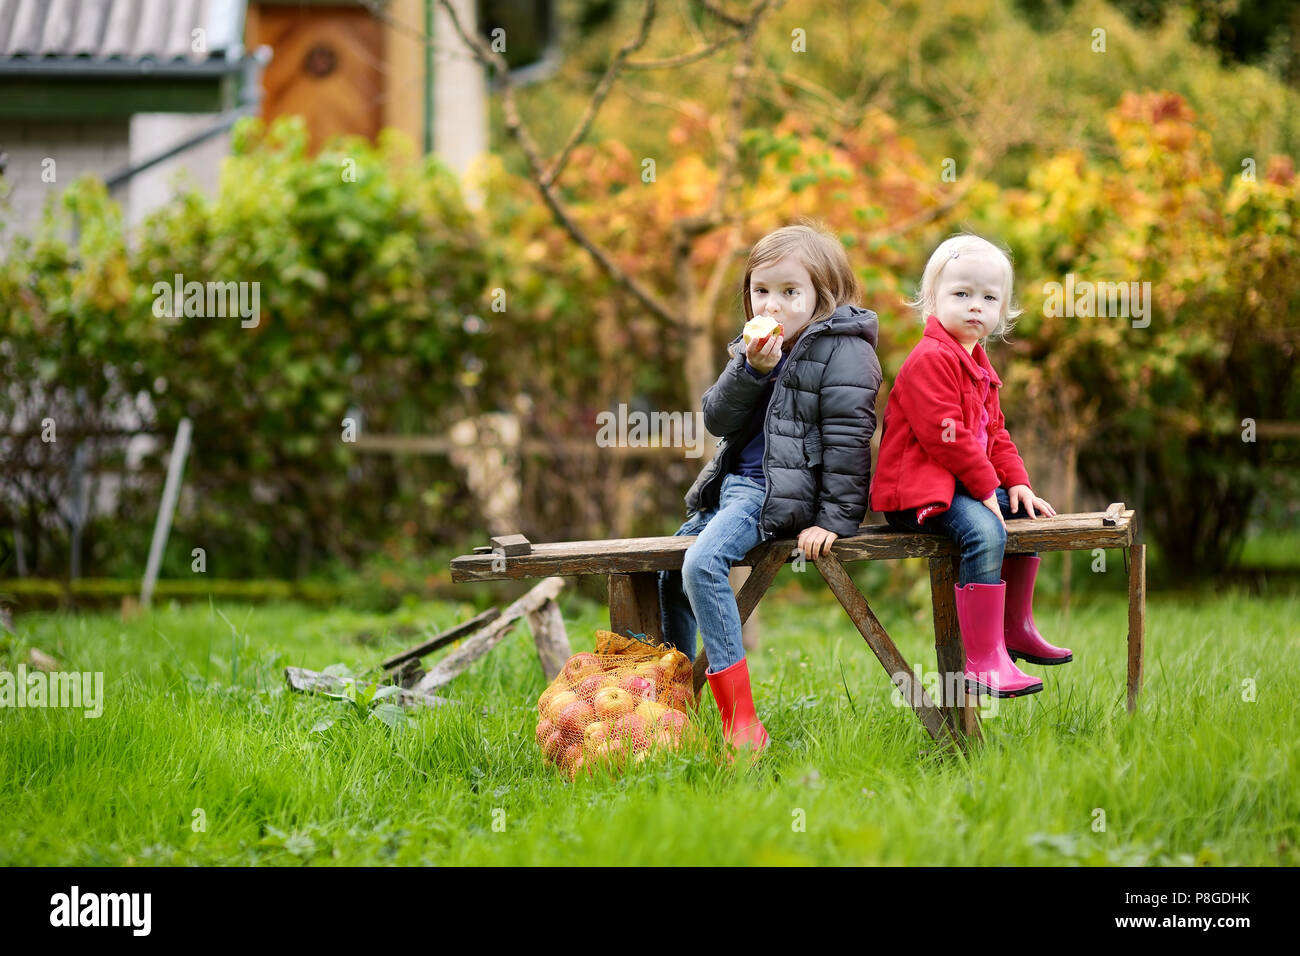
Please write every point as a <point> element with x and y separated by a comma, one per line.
<point>116,36</point>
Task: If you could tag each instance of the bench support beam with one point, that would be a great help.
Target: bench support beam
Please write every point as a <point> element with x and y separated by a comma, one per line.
<point>1137,620</point>
<point>950,653</point>
<point>634,605</point>
<point>877,638</point>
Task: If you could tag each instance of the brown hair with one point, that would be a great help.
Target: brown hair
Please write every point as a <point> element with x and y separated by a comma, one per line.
<point>817,249</point>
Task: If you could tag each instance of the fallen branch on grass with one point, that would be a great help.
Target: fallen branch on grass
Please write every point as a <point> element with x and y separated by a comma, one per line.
<point>532,603</point>
<point>314,682</point>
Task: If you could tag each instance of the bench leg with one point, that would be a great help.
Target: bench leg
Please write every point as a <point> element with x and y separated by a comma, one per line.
<point>1137,620</point>
<point>882,646</point>
<point>634,605</point>
<point>950,654</point>
<point>761,576</point>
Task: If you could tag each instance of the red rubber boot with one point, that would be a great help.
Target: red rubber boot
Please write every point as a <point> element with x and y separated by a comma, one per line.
<point>735,699</point>
<point>988,668</point>
<point>1021,636</point>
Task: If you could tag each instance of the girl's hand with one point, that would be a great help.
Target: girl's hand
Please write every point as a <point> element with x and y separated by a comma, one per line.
<point>815,541</point>
<point>991,502</point>
<point>1032,503</point>
<point>765,359</point>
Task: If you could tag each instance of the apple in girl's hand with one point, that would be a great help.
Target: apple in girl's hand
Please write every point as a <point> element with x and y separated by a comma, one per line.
<point>560,701</point>
<point>761,327</point>
<point>638,686</point>
<point>575,717</point>
<point>613,702</point>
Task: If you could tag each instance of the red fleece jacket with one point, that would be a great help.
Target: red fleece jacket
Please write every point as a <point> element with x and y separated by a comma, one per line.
<point>928,440</point>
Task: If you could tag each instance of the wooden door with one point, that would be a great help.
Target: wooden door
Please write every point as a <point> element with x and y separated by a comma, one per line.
<point>327,66</point>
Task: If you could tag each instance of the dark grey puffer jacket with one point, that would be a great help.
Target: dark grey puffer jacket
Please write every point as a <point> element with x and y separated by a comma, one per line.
<point>818,424</point>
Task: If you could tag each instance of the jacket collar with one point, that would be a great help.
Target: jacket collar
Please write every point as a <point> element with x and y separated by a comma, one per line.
<point>845,320</point>
<point>971,361</point>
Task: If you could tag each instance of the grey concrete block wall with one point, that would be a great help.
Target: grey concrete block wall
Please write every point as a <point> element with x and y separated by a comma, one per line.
<point>77,147</point>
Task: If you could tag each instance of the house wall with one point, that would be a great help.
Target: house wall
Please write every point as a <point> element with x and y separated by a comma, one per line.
<point>199,166</point>
<point>77,147</point>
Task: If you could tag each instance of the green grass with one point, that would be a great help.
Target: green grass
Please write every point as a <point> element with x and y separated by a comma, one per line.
<point>196,717</point>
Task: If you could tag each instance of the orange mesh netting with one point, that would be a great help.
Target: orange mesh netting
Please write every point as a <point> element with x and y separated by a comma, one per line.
<point>615,706</point>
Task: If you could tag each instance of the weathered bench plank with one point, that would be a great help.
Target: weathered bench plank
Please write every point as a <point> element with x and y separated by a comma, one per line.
<point>1074,532</point>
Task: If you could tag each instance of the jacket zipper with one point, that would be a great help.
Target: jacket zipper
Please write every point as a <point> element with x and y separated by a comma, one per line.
<point>763,534</point>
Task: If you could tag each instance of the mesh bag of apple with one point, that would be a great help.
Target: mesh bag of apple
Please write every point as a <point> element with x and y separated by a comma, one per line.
<point>616,706</point>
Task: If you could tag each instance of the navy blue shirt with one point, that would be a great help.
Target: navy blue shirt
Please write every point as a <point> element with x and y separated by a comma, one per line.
<point>750,464</point>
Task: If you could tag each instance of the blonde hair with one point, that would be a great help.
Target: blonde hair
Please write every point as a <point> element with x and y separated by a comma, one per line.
<point>817,249</point>
<point>965,243</point>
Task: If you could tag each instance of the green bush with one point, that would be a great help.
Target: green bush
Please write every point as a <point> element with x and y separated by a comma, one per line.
<point>367,266</point>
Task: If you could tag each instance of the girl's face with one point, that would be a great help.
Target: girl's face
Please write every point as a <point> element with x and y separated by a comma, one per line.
<point>968,297</point>
<point>784,291</point>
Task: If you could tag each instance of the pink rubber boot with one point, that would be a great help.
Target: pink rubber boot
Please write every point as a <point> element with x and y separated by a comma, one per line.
<point>1022,638</point>
<point>988,668</point>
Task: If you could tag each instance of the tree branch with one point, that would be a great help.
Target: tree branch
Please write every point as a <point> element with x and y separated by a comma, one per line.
<point>520,134</point>
<point>602,91</point>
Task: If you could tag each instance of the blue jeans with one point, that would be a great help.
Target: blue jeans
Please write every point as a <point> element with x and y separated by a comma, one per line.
<point>980,537</point>
<point>701,590</point>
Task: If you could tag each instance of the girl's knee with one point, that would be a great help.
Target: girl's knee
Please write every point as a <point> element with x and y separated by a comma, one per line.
<point>699,564</point>
<point>984,536</point>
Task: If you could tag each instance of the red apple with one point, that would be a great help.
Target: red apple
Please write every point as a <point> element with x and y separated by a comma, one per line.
<point>651,671</point>
<point>544,729</point>
<point>631,727</point>
<point>544,702</point>
<point>609,752</point>
<point>581,666</point>
<point>554,745</point>
<point>613,702</point>
<point>575,717</point>
<point>571,755</point>
<point>673,721</point>
<point>638,686</point>
<point>664,740</point>
<point>587,689</point>
<point>560,701</point>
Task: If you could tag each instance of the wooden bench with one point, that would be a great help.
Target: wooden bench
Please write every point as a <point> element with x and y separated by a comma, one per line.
<point>632,565</point>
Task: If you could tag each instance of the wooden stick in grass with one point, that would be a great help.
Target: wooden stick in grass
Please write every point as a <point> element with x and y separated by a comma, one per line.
<point>441,640</point>
<point>489,637</point>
